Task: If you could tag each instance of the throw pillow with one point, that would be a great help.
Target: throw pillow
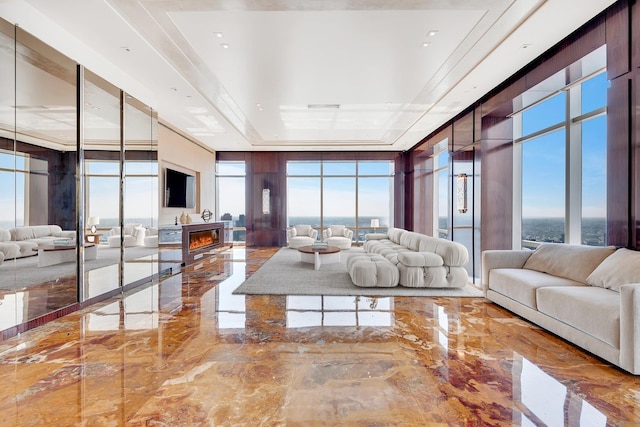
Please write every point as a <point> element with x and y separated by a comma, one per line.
<point>329,234</point>
<point>293,232</point>
<point>345,232</point>
<point>618,269</point>
<point>573,262</point>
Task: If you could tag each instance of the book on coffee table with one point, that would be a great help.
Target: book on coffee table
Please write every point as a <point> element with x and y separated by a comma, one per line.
<point>320,246</point>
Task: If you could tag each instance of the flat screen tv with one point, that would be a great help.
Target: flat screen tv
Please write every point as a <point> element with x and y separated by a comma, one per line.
<point>179,190</point>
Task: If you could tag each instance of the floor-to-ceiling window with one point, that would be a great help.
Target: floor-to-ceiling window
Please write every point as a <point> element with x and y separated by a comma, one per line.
<point>230,193</point>
<point>441,205</point>
<point>560,159</point>
<point>358,194</point>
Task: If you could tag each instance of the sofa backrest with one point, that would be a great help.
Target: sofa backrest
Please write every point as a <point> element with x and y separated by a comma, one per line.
<point>394,234</point>
<point>573,262</point>
<point>34,231</point>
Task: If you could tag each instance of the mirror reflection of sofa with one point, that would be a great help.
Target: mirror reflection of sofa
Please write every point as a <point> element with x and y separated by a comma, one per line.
<point>18,242</point>
<point>133,235</point>
<point>301,235</point>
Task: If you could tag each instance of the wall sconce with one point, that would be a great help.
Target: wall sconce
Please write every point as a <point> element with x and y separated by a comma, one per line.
<point>93,221</point>
<point>266,201</point>
<point>461,193</point>
<point>375,223</point>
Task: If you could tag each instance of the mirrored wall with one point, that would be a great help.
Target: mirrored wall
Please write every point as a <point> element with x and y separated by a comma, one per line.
<point>79,202</point>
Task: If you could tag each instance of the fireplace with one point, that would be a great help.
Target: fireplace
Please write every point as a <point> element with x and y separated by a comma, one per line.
<point>200,239</point>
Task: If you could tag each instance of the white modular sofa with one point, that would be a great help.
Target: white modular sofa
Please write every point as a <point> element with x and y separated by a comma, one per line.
<point>338,235</point>
<point>133,236</point>
<point>422,261</point>
<point>301,235</point>
<point>589,296</point>
<point>18,242</point>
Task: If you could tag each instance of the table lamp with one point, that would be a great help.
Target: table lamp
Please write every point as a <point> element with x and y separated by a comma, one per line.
<point>93,221</point>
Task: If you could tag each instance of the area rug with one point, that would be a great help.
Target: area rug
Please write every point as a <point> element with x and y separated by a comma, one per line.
<point>24,272</point>
<point>285,274</point>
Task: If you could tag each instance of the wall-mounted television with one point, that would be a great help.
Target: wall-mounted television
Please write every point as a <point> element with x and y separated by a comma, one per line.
<point>179,189</point>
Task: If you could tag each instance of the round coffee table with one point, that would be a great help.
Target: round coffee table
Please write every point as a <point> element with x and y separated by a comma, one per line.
<point>317,257</point>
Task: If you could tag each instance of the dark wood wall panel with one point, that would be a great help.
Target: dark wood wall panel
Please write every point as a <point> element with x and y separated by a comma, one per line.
<point>635,164</point>
<point>618,40</point>
<point>496,179</point>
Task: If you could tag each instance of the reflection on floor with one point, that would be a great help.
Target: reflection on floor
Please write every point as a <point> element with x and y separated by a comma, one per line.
<point>187,351</point>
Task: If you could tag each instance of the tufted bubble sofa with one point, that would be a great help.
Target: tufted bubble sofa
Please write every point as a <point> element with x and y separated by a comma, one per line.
<point>422,261</point>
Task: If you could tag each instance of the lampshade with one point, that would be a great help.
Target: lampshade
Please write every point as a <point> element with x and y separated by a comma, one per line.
<point>375,222</point>
<point>93,221</point>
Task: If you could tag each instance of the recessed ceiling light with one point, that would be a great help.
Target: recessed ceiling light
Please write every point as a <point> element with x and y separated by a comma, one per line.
<point>432,33</point>
<point>126,49</point>
<point>323,106</point>
<point>526,45</point>
<point>218,35</point>
<point>425,44</point>
<point>175,89</point>
<point>224,46</point>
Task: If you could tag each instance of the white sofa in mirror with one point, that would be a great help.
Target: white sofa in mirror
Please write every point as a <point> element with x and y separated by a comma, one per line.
<point>133,235</point>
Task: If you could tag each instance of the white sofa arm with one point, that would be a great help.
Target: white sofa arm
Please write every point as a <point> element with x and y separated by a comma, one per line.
<point>630,328</point>
<point>501,258</point>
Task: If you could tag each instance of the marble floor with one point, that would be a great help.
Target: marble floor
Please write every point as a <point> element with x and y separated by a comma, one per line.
<point>187,352</point>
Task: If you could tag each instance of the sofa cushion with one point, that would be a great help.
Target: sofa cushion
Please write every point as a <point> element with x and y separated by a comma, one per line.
<point>592,310</point>
<point>521,284</point>
<point>336,230</point>
<point>420,259</point>
<point>5,235</point>
<point>620,268</point>
<point>574,262</point>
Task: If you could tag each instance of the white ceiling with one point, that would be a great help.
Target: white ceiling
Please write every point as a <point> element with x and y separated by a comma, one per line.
<point>284,57</point>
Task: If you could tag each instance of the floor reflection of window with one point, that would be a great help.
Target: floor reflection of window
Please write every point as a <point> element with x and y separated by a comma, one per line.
<point>310,311</point>
<point>550,402</point>
<point>443,327</point>
<point>231,311</point>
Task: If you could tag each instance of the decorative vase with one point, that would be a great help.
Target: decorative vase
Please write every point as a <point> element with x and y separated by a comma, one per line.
<point>189,219</point>
<point>183,218</point>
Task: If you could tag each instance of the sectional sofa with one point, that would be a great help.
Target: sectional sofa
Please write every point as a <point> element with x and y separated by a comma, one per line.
<point>589,296</point>
<point>421,261</point>
<point>19,242</point>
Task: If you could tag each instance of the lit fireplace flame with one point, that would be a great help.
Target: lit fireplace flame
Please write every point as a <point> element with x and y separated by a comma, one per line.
<point>202,239</point>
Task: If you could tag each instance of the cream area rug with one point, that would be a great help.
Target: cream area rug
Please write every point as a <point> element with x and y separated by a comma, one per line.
<point>285,274</point>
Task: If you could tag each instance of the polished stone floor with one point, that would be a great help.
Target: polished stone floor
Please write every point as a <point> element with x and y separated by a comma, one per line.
<point>187,352</point>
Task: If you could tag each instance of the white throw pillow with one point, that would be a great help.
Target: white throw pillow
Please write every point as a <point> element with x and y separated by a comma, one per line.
<point>345,232</point>
<point>328,230</point>
<point>293,232</point>
<point>620,268</point>
<point>311,232</point>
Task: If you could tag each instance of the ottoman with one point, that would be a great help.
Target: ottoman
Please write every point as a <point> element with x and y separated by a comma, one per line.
<point>372,271</point>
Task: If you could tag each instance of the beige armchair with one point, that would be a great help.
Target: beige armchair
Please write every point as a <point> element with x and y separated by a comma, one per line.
<point>338,235</point>
<point>301,235</point>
